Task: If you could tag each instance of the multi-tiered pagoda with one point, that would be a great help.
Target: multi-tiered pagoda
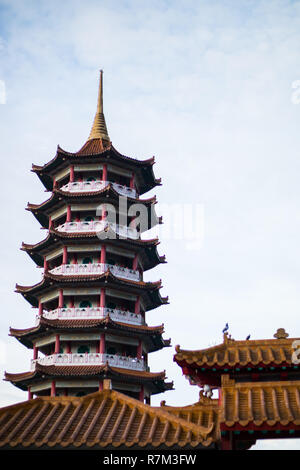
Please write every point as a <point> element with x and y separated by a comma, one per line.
<point>92,298</point>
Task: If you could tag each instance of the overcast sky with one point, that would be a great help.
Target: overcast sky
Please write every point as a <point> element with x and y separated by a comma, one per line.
<point>206,87</point>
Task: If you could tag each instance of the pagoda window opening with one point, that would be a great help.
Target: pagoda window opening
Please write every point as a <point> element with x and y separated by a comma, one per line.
<point>87,260</point>
<point>118,179</point>
<point>89,218</point>
<point>122,305</point>
<point>85,304</point>
<point>83,349</point>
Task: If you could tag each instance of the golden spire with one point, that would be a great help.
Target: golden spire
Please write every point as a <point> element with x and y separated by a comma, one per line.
<point>99,130</point>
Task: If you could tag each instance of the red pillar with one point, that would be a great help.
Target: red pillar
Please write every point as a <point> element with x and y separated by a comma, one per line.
<point>30,394</point>
<point>141,394</point>
<point>45,264</point>
<point>69,349</point>
<point>53,388</point>
<point>102,344</point>
<point>57,344</point>
<point>69,214</point>
<point>61,298</point>
<point>35,352</point>
<point>137,306</point>
<point>71,173</point>
<point>100,385</point>
<point>132,181</point>
<point>102,298</point>
<point>54,183</point>
<point>103,254</point>
<point>74,260</point>
<point>40,308</point>
<point>139,350</point>
<point>65,255</point>
<point>226,441</point>
<point>50,222</point>
<point>135,262</point>
<point>104,172</point>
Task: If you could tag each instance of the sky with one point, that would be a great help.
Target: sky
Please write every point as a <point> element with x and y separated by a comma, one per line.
<point>211,88</point>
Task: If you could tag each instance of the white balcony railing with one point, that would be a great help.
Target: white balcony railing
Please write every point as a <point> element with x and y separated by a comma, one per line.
<point>88,313</point>
<point>96,268</point>
<point>98,226</point>
<point>89,359</point>
<point>85,186</point>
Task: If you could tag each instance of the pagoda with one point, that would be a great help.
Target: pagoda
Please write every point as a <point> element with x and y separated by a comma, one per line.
<point>258,384</point>
<point>92,299</point>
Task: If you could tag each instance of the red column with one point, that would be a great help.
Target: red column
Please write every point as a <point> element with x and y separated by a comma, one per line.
<point>137,306</point>
<point>139,350</point>
<point>69,349</point>
<point>102,298</point>
<point>132,181</point>
<point>69,215</point>
<point>40,308</point>
<point>30,394</point>
<point>35,352</point>
<point>74,261</point>
<point>60,298</point>
<point>100,385</point>
<point>65,255</point>
<point>104,172</point>
<point>141,394</point>
<point>54,183</point>
<point>102,343</point>
<point>50,222</point>
<point>53,388</point>
<point>103,254</point>
<point>45,264</point>
<point>71,303</point>
<point>57,344</point>
<point>135,262</point>
<point>71,173</point>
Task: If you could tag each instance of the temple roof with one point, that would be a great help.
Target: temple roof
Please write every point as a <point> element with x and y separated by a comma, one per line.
<point>147,249</point>
<point>260,403</point>
<point>233,353</point>
<point>151,289</point>
<point>156,380</point>
<point>152,334</point>
<point>106,419</point>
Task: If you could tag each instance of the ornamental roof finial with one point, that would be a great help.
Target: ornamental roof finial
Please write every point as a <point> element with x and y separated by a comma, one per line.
<point>99,130</point>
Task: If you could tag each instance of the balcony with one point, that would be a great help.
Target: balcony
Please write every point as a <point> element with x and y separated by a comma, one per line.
<point>86,186</point>
<point>96,268</point>
<point>90,359</point>
<point>98,226</point>
<point>95,313</point>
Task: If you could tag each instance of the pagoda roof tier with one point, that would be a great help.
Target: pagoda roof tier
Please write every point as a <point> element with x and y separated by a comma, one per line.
<point>152,335</point>
<point>93,151</point>
<point>148,290</point>
<point>101,420</point>
<point>154,380</point>
<point>258,405</point>
<point>233,354</point>
<point>147,249</point>
<point>106,195</point>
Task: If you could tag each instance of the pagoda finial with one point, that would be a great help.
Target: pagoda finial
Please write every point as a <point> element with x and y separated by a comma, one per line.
<point>99,130</point>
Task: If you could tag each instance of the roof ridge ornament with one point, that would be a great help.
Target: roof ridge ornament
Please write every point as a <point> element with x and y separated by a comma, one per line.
<point>281,334</point>
<point>99,130</point>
